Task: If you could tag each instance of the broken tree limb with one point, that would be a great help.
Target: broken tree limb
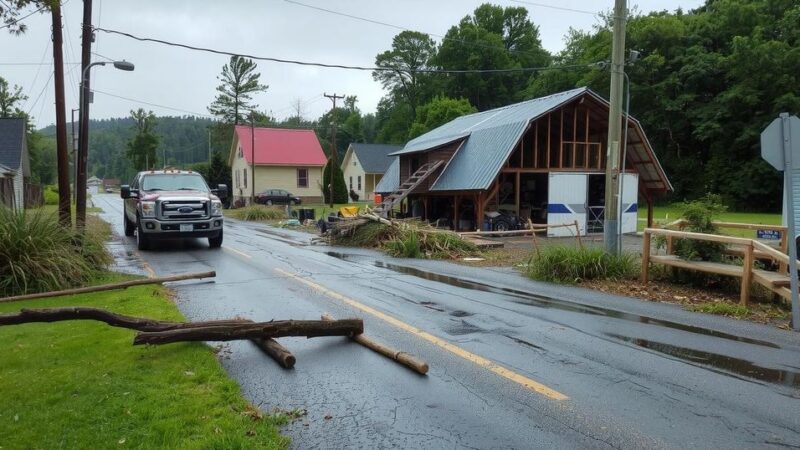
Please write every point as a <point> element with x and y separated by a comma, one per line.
<point>307,328</point>
<point>102,315</point>
<point>403,358</point>
<point>275,351</point>
<point>111,286</point>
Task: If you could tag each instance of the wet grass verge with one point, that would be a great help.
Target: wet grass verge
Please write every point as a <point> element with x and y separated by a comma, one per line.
<point>81,384</point>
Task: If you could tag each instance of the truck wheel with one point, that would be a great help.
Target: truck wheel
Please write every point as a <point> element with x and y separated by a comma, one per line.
<point>142,241</point>
<point>129,226</point>
<point>215,242</point>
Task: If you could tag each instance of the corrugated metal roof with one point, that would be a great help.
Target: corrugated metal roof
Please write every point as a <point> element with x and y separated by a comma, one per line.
<point>12,136</point>
<point>489,138</point>
<point>374,158</point>
<point>391,179</point>
<point>474,166</point>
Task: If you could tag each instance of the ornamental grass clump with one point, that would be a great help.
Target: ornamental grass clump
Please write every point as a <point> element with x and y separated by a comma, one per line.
<point>38,255</point>
<point>258,212</point>
<point>561,264</point>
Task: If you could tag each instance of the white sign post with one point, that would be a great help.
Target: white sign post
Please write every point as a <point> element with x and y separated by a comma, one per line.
<point>780,146</point>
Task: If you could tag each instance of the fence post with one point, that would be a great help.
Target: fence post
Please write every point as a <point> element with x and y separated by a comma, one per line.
<point>578,235</point>
<point>747,274</point>
<point>645,256</point>
<point>533,233</point>
<point>784,268</point>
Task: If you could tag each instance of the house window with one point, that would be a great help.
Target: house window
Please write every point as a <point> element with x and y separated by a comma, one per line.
<point>351,183</point>
<point>302,178</point>
<point>354,163</point>
<point>240,152</point>
<point>359,182</point>
<point>238,180</point>
<point>245,177</point>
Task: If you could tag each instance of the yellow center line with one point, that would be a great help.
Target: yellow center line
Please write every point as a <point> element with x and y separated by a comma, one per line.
<point>238,252</point>
<point>458,351</point>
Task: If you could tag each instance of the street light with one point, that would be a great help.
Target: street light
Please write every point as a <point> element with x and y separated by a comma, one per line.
<point>83,139</point>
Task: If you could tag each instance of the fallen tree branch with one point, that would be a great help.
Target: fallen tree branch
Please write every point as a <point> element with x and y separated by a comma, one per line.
<point>276,351</point>
<point>307,328</point>
<point>111,286</point>
<point>403,358</point>
<point>102,315</point>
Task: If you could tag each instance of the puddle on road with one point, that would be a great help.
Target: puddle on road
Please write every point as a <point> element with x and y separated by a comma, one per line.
<point>712,361</point>
<point>726,363</point>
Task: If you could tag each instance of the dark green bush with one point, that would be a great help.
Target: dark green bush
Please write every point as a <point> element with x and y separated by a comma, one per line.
<point>561,264</point>
<point>699,215</point>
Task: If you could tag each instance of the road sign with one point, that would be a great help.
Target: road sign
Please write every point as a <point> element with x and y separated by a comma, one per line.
<point>771,235</point>
<point>780,146</point>
<point>772,142</point>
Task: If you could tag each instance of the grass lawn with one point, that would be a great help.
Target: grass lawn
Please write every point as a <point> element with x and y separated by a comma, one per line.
<point>669,213</point>
<point>81,384</point>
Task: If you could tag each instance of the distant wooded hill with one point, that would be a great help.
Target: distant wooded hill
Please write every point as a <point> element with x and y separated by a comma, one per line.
<point>184,140</point>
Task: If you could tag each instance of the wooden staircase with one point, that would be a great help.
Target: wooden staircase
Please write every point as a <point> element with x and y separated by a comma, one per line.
<point>406,188</point>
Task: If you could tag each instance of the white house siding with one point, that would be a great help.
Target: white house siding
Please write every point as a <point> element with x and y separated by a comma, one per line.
<point>19,189</point>
<point>352,169</point>
<point>273,177</point>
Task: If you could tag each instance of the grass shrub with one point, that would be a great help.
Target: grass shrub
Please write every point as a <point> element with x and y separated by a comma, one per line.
<point>561,264</point>
<point>720,308</point>
<point>50,195</point>
<point>37,255</point>
<point>258,212</point>
<point>699,216</point>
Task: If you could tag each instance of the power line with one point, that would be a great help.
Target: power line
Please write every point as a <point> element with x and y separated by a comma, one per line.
<point>398,27</point>
<point>560,8</point>
<point>34,64</point>
<point>339,66</point>
<point>153,104</point>
<point>8,24</point>
<point>38,70</point>
<point>46,84</point>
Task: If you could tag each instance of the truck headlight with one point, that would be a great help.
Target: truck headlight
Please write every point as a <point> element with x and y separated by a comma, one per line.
<point>148,209</point>
<point>216,208</point>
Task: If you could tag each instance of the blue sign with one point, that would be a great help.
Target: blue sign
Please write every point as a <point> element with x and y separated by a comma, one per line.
<point>772,235</point>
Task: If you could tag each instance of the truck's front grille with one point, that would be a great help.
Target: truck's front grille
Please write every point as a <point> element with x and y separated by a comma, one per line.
<point>182,210</point>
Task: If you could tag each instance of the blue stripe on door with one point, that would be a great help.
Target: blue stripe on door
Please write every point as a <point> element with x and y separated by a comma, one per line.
<point>633,208</point>
<point>558,208</point>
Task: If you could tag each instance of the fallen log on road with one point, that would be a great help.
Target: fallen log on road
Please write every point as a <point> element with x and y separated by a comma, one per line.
<point>307,328</point>
<point>276,351</point>
<point>111,286</point>
<point>403,358</point>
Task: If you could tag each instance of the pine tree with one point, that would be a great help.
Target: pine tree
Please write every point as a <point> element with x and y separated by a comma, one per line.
<point>239,82</point>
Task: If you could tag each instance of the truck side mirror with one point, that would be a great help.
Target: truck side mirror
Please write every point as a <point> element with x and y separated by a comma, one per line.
<point>125,191</point>
<point>221,191</point>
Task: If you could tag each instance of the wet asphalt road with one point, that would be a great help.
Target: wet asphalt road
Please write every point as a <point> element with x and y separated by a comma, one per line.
<point>634,374</point>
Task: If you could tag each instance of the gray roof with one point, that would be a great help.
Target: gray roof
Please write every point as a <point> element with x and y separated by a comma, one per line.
<point>12,139</point>
<point>489,138</point>
<point>391,179</point>
<point>374,157</point>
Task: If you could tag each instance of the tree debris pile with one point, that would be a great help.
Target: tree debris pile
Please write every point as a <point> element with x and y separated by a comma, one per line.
<point>401,238</point>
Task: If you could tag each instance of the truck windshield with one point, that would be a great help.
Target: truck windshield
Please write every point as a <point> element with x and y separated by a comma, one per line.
<point>174,182</point>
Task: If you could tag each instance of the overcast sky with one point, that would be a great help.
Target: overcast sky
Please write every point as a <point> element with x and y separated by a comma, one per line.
<point>186,80</point>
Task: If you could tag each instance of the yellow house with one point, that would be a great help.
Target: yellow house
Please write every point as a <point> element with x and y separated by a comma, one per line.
<point>287,159</point>
<point>363,167</point>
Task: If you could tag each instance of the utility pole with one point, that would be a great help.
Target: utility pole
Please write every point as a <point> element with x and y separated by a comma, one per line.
<point>74,153</point>
<point>64,213</point>
<point>610,230</point>
<point>83,134</point>
<point>333,161</point>
<point>253,157</point>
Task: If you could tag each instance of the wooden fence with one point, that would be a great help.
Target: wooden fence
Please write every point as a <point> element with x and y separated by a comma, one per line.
<point>33,195</point>
<point>7,192</point>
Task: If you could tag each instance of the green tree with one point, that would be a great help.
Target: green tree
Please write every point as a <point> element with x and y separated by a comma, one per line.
<point>411,51</point>
<point>438,112</point>
<point>219,172</point>
<point>339,186</point>
<point>492,38</point>
<point>239,82</point>
<point>9,99</point>
<point>142,147</point>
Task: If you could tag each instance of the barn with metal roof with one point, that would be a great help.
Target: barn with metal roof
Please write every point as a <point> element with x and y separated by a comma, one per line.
<point>543,159</point>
